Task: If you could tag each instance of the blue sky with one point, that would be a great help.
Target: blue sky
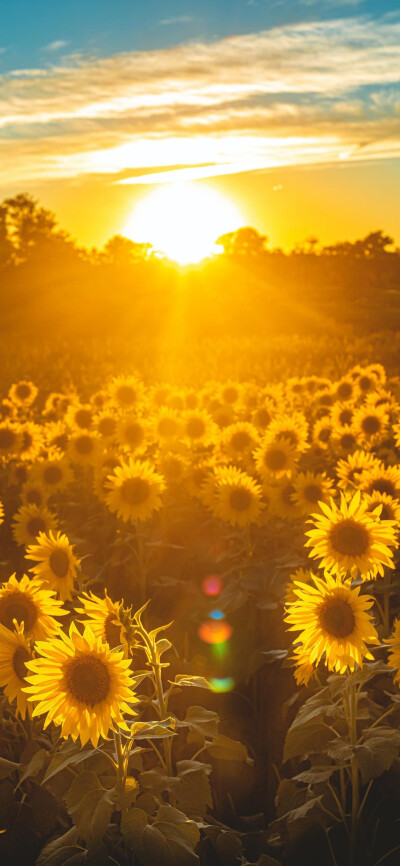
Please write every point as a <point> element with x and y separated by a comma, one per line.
<point>35,33</point>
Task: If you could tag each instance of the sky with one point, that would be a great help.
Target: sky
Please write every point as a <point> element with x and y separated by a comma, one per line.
<point>289,109</point>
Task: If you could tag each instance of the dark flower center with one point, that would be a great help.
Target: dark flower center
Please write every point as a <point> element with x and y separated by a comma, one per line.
<point>21,656</point>
<point>195,427</point>
<point>87,679</point>
<point>346,416</point>
<point>23,391</point>
<point>287,493</point>
<point>371,424</point>
<point>240,440</point>
<point>134,491</point>
<point>344,390</point>
<point>275,459</point>
<point>83,418</point>
<point>337,618</point>
<point>347,441</point>
<point>34,496</point>
<point>383,485</point>
<point>349,538</point>
<point>240,499</point>
<point>324,434</point>
<point>134,433</point>
<point>106,426</point>
<point>112,632</point>
<point>17,605</point>
<point>36,525</point>
<point>126,394</point>
<point>52,475</point>
<point>313,493</point>
<point>59,563</point>
<point>84,444</point>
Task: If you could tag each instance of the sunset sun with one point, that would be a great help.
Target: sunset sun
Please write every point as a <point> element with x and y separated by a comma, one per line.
<point>183,220</point>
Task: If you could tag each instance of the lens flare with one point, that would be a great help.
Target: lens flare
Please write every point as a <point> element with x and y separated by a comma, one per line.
<point>217,614</point>
<point>212,585</point>
<point>222,684</point>
<point>214,632</point>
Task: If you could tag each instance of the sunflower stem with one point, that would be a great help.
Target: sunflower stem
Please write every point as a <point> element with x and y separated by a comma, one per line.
<point>141,563</point>
<point>386,606</point>
<point>354,773</point>
<point>120,759</point>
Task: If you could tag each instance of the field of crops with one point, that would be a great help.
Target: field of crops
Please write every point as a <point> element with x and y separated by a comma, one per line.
<point>199,643</point>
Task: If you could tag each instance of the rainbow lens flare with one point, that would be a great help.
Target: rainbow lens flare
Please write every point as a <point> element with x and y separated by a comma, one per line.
<point>214,631</point>
<point>212,585</point>
<point>222,684</point>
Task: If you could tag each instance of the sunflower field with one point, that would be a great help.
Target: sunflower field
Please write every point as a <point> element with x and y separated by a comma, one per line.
<point>200,615</point>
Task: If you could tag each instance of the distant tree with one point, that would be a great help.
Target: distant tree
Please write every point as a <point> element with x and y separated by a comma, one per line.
<point>32,229</point>
<point>374,244</point>
<point>245,241</point>
<point>122,252</point>
<point>6,246</point>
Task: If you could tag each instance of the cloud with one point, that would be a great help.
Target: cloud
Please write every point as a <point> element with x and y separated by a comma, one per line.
<point>55,46</point>
<point>302,94</point>
<point>177,19</point>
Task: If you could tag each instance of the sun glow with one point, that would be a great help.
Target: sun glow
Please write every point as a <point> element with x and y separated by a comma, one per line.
<point>183,220</point>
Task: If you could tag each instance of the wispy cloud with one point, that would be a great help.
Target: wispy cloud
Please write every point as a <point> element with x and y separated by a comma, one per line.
<point>304,94</point>
<point>55,46</point>
<point>177,19</point>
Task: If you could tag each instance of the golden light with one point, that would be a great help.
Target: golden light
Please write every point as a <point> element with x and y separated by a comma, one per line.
<point>183,220</point>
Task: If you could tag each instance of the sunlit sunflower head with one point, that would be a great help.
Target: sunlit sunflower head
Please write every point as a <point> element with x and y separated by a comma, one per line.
<point>383,479</point>
<point>31,440</point>
<point>84,448</point>
<point>275,457</point>
<point>99,399</point>
<point>230,393</point>
<point>222,413</point>
<point>10,438</point>
<point>384,399</point>
<point>322,432</point>
<point>28,602</point>
<point>304,671</point>
<point>103,619</point>
<point>57,436</point>
<point>346,390</point>
<point>237,497</point>
<point>135,490</point>
<point>167,425</point>
<point>292,427</point>
<point>311,488</point>
<point>33,493</point>
<point>81,685</point>
<point>52,474</point>
<point>264,414</point>
<point>15,651</point>
<point>56,562</point>
<point>332,620</point>
<point>367,378</point>
<point>198,428</point>
<point>132,433</point>
<point>301,575</point>
<point>198,477</point>
<point>370,424</point>
<point>282,502</point>
<point>173,466</point>
<point>239,440</point>
<point>394,652</point>
<point>126,392</point>
<point>79,416</point>
<point>105,424</point>
<point>347,539</point>
<point>7,410</point>
<point>23,393</point>
<point>384,506</point>
<point>342,414</point>
<point>344,440</point>
<point>108,461</point>
<point>29,520</point>
<point>350,470</point>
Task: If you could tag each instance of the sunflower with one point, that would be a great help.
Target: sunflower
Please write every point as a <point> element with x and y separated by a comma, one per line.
<point>368,378</point>
<point>81,684</point>
<point>19,474</point>
<point>34,494</point>
<point>292,427</point>
<point>237,497</point>
<point>23,393</point>
<point>198,427</point>
<point>56,562</point>
<point>304,671</point>
<point>350,470</point>
<point>7,409</point>
<point>302,575</point>
<point>381,478</point>
<point>10,438</point>
<point>346,390</point>
<point>322,432</point>
<point>230,393</point>
<point>29,521</point>
<point>311,488</point>
<point>57,436</point>
<point>84,448</point>
<point>172,466</point>
<point>342,414</point>
<point>15,651</point>
<point>132,433</point>
<point>394,652</point>
<point>108,462</point>
<point>29,603</point>
<point>222,413</point>
<point>198,477</point>
<point>275,456</point>
<point>390,508</point>
<point>370,423</point>
<point>167,425</point>
<point>79,416</point>
<point>332,619</point>
<point>282,499</point>
<point>240,439</point>
<point>344,439</point>
<point>191,399</point>
<point>31,440</point>
<point>126,392</point>
<point>106,425</point>
<point>104,618</point>
<point>53,473</point>
<point>264,414</point>
<point>349,539</point>
<point>135,490</point>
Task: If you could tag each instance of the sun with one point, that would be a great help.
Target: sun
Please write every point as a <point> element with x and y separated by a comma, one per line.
<point>183,221</point>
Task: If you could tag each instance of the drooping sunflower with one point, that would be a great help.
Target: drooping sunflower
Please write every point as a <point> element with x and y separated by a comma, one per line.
<point>322,432</point>
<point>84,448</point>
<point>53,474</point>
<point>347,539</point>
<point>29,603</point>
<point>237,497</point>
<point>103,618</point>
<point>56,562</point>
<point>384,479</point>
<point>29,520</point>
<point>304,670</point>
<point>275,457</point>
<point>126,392</point>
<point>19,473</point>
<point>311,488</point>
<point>81,685</point>
<point>390,507</point>
<point>350,470</point>
<point>394,652</point>
<point>333,622</point>
<point>23,393</point>
<point>134,490</point>
<point>15,651</point>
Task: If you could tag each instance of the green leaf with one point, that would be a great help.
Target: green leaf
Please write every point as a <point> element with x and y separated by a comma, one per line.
<point>196,682</point>
<point>180,834</point>
<point>202,722</point>
<point>380,748</point>
<point>69,753</point>
<point>303,811</point>
<point>305,739</point>
<point>90,806</point>
<point>153,730</point>
<point>7,768</point>
<point>192,788</point>
<point>35,766</point>
<point>315,775</point>
<point>340,750</point>
<point>228,750</point>
<point>133,824</point>
<point>60,851</point>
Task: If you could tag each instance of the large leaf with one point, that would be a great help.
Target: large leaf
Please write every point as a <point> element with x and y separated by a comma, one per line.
<point>228,750</point>
<point>306,739</point>
<point>62,850</point>
<point>69,753</point>
<point>194,681</point>
<point>380,748</point>
<point>202,722</point>
<point>90,806</point>
<point>192,788</point>
<point>7,768</point>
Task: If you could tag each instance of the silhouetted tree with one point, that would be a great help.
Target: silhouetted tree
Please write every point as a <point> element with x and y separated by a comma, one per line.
<point>122,252</point>
<point>6,247</point>
<point>245,241</point>
<point>31,228</point>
